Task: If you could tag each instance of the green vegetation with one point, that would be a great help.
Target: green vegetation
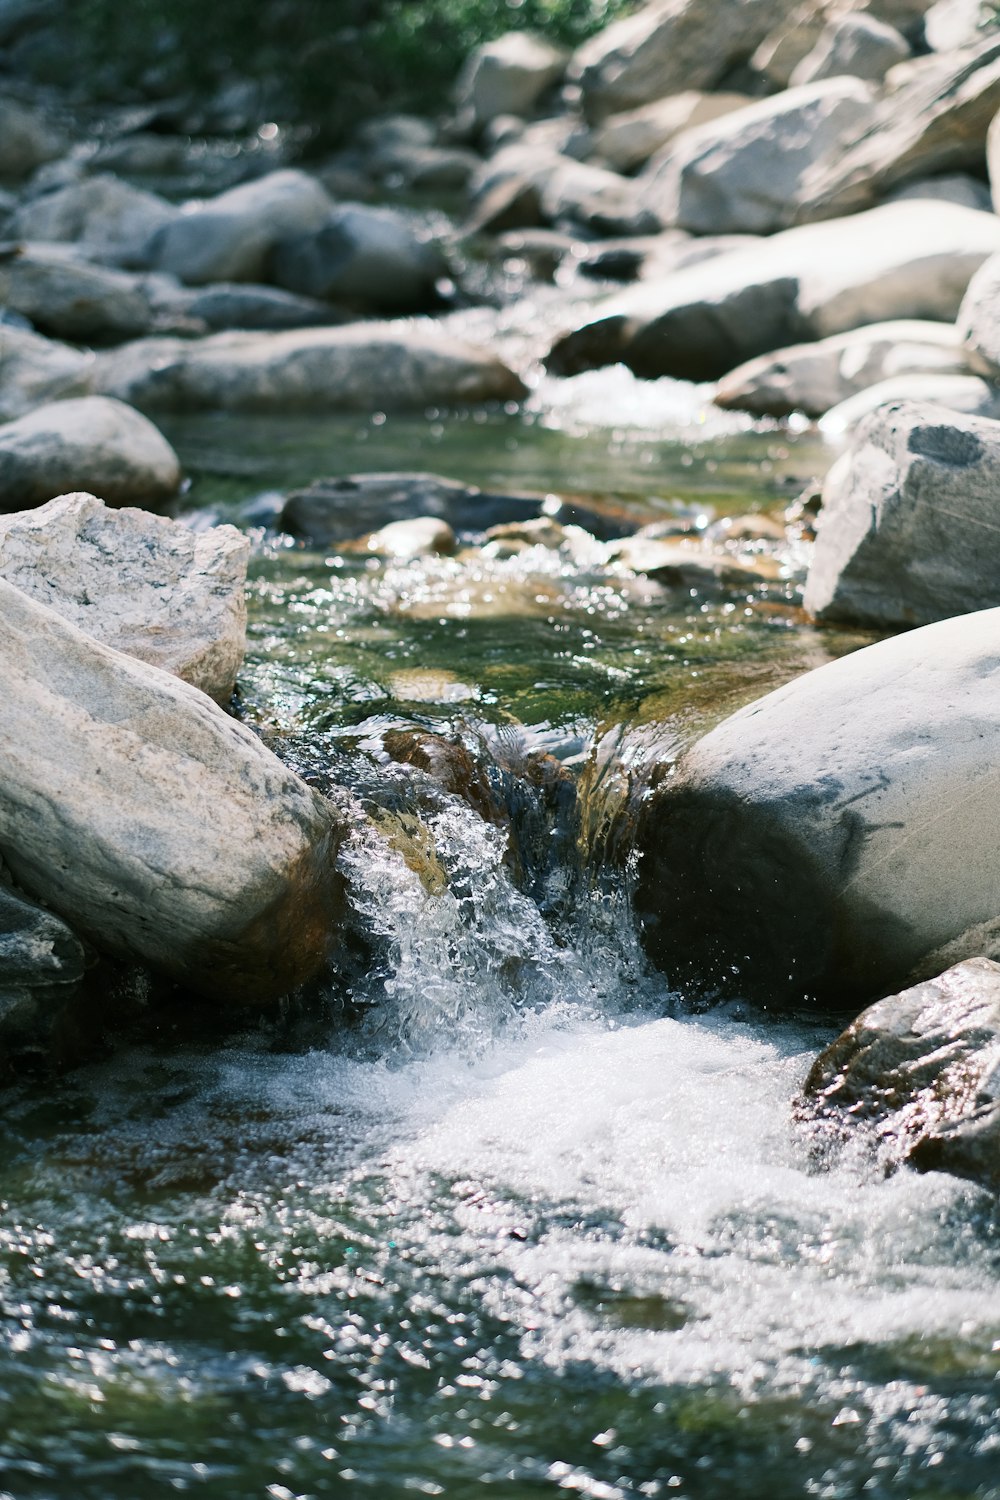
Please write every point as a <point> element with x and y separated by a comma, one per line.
<point>327,62</point>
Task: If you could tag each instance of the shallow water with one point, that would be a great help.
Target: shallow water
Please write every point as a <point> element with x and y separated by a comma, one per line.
<point>513,1219</point>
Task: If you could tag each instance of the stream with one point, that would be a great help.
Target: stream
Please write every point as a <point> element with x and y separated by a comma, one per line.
<point>497,1211</point>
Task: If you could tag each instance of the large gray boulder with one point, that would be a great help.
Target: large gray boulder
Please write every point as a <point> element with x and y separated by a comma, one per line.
<point>34,370</point>
<point>814,377</point>
<point>854,45</point>
<point>903,260</point>
<point>110,218</point>
<point>746,171</point>
<point>917,1072</point>
<point>372,256</point>
<point>508,76</point>
<point>87,443</point>
<point>229,238</point>
<point>836,839</point>
<point>154,824</point>
<point>363,367</point>
<point>905,534</point>
<point>71,298</point>
<point>140,583</point>
<point>665,47</point>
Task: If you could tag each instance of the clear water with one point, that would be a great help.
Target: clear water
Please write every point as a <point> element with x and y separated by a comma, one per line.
<point>517,1222</point>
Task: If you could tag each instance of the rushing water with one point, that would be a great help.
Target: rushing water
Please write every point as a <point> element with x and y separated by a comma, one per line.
<point>494,1211</point>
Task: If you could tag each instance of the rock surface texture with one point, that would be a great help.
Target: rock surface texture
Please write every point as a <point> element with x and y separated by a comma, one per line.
<point>908,528</point>
<point>91,443</point>
<point>151,822</point>
<point>141,583</point>
<point>920,1072</point>
<point>835,840</point>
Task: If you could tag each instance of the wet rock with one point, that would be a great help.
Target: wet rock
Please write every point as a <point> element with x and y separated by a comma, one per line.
<point>969,394</point>
<point>367,255</point>
<point>508,76</point>
<point>835,840</point>
<point>155,825</point>
<point>813,377</point>
<point>918,1073</point>
<point>935,121</point>
<point>229,238</point>
<point>27,140</point>
<point>140,583</point>
<point>665,47</point>
<point>518,537</point>
<point>41,961</point>
<point>450,764</point>
<point>689,565</point>
<point>423,536</point>
<point>71,298</point>
<point>111,219</point>
<point>909,511</point>
<point>335,510</point>
<point>747,172</point>
<point>91,442</point>
<point>363,367</point>
<point>854,45</point>
<point>903,260</point>
<point>34,370</point>
<point>626,141</point>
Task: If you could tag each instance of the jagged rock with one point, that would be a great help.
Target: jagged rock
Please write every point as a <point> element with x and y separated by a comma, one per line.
<point>508,76</point>
<point>369,255</point>
<point>969,394</point>
<point>140,583</point>
<point>363,367</point>
<point>90,442</point>
<point>814,377</point>
<point>111,219</point>
<point>903,260</point>
<point>229,238</point>
<point>155,825</point>
<point>34,369</point>
<point>788,43</point>
<point>917,1072</point>
<point>626,141</point>
<point>27,140</point>
<point>835,840</point>
<point>905,532</point>
<point>746,172</point>
<point>856,45</point>
<point>665,47</point>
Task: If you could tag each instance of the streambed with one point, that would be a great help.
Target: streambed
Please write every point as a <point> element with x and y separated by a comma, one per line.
<point>514,1218</point>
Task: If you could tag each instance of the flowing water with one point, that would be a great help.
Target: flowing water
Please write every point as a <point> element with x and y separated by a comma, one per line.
<point>492,1210</point>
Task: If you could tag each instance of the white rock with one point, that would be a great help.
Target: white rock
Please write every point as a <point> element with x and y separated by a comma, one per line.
<point>979,316</point>
<point>151,822</point>
<point>906,530</point>
<point>509,75</point>
<point>831,840</point>
<point>34,369</point>
<point>423,536</point>
<point>969,394</point>
<point>141,583</point>
<point>88,443</point>
<point>627,140</point>
<point>747,171</point>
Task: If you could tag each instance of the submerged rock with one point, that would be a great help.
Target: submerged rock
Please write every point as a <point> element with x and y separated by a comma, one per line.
<point>91,443</point>
<point>140,583</point>
<point>907,528</point>
<point>155,825</point>
<point>920,1071</point>
<point>836,839</point>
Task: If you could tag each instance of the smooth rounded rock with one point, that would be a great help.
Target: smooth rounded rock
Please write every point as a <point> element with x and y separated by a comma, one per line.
<point>92,443</point>
<point>369,255</point>
<point>835,840</point>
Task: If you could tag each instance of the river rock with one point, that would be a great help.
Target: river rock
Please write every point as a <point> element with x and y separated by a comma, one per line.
<point>814,377</point>
<point>918,1071</point>
<point>909,511</point>
<point>508,76</point>
<point>111,219</point>
<point>91,441</point>
<point>369,255</point>
<point>593,198</point>
<point>68,297</point>
<point>28,139</point>
<point>141,583</point>
<point>421,536</point>
<point>835,840</point>
<point>969,394</point>
<point>41,961</point>
<point>154,824</point>
<point>665,47</point>
<point>626,141</point>
<point>935,121</point>
<point>241,304</point>
<point>34,370</point>
<point>363,367</point>
<point>855,45</point>
<point>952,24</point>
<point>336,510</point>
<point>787,44</point>
<point>902,260</point>
<point>978,321</point>
<point>746,172</point>
<point>949,187</point>
<point>229,238</point>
